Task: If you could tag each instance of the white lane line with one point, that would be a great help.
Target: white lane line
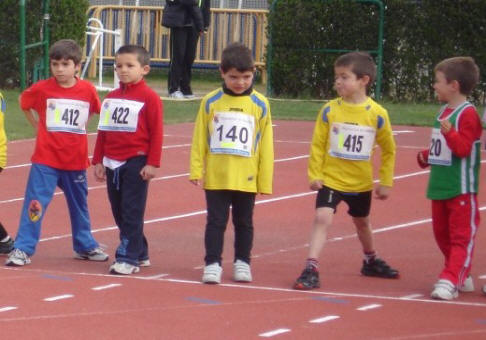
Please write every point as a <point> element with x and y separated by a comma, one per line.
<point>6,309</point>
<point>155,277</point>
<point>368,307</point>
<point>111,285</point>
<point>324,319</point>
<point>262,288</point>
<point>483,276</point>
<point>274,332</point>
<point>59,297</point>
<point>411,296</point>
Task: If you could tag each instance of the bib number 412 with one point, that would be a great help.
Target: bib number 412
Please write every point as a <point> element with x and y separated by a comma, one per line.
<point>70,117</point>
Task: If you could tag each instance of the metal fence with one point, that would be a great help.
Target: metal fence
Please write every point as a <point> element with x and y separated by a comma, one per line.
<point>241,4</point>
<point>141,26</point>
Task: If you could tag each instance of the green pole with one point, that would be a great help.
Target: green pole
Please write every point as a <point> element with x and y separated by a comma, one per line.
<point>22,44</point>
<point>45,39</point>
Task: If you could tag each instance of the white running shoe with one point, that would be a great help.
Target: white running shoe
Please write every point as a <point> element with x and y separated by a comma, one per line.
<point>212,273</point>
<point>444,290</point>
<point>96,254</point>
<point>144,263</point>
<point>123,268</point>
<point>176,95</point>
<point>17,257</point>
<point>468,285</point>
<point>241,271</point>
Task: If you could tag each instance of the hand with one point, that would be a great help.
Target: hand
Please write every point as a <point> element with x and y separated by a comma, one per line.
<point>195,182</point>
<point>382,192</point>
<point>100,172</point>
<point>147,172</point>
<point>316,185</point>
<point>422,159</point>
<point>1,169</point>
<point>445,127</point>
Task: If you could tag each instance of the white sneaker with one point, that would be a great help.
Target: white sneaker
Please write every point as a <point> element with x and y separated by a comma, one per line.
<point>176,95</point>
<point>123,268</point>
<point>241,271</point>
<point>17,257</point>
<point>444,290</point>
<point>96,254</point>
<point>144,263</point>
<point>468,285</point>
<point>212,273</point>
<point>189,96</point>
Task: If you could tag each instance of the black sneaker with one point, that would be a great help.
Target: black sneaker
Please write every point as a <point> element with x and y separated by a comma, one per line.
<point>379,268</point>
<point>309,279</point>
<point>6,247</point>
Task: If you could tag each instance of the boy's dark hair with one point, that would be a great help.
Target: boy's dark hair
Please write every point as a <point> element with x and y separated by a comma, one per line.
<point>462,69</point>
<point>361,63</point>
<point>237,56</point>
<point>142,54</point>
<point>66,49</point>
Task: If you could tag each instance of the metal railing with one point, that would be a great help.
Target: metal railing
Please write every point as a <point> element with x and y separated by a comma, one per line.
<point>141,25</point>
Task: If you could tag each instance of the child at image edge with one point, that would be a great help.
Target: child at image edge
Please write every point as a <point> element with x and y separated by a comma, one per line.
<point>340,166</point>
<point>63,105</point>
<point>127,153</point>
<point>6,242</point>
<point>454,158</point>
<point>232,155</point>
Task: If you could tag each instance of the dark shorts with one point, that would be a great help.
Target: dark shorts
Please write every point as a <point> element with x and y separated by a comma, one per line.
<point>359,203</point>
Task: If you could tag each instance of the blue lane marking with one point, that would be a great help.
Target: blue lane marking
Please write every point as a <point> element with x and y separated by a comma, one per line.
<point>481,321</point>
<point>330,299</point>
<point>55,277</point>
<point>201,300</point>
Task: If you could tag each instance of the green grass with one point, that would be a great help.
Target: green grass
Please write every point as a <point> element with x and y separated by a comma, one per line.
<point>17,126</point>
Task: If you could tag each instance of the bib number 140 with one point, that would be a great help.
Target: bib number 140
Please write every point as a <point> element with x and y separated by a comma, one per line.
<point>233,134</point>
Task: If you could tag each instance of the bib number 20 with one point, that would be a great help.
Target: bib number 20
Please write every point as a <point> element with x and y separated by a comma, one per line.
<point>435,147</point>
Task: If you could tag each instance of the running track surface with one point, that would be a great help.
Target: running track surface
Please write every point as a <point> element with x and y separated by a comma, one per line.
<point>57,297</point>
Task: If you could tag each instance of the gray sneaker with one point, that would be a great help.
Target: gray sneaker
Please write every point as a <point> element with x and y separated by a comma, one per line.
<point>123,268</point>
<point>7,246</point>
<point>17,258</point>
<point>96,254</point>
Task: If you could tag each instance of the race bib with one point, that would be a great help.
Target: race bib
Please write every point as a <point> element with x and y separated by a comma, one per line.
<point>232,134</point>
<point>67,115</point>
<point>439,151</point>
<point>354,142</point>
<point>119,115</point>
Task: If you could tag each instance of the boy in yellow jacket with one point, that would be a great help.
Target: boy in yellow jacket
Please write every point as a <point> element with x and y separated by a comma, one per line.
<point>6,243</point>
<point>340,166</point>
<point>232,155</point>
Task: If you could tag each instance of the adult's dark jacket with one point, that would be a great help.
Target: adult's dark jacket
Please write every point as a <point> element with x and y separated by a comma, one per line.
<point>181,13</point>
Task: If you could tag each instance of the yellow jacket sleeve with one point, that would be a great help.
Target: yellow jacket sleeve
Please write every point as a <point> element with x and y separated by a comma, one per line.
<point>3,136</point>
<point>265,166</point>
<point>199,148</point>
<point>384,138</point>
<point>318,147</point>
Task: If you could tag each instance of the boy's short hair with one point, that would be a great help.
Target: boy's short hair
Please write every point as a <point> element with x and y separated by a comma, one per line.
<point>361,63</point>
<point>66,49</point>
<point>462,69</point>
<point>142,54</point>
<point>238,56</point>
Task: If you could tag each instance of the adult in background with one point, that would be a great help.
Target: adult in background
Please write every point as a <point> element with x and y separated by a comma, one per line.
<point>187,20</point>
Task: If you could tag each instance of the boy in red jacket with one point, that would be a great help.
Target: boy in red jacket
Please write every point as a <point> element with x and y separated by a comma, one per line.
<point>127,151</point>
<point>63,105</point>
